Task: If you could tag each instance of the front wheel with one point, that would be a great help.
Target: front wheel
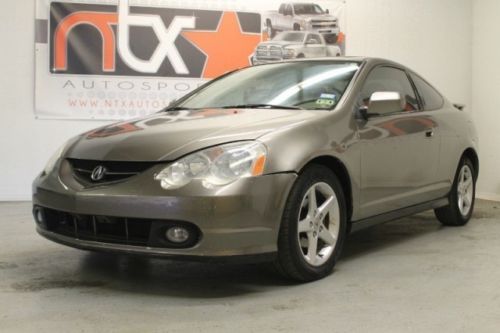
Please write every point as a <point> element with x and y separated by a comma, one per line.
<point>462,197</point>
<point>313,226</point>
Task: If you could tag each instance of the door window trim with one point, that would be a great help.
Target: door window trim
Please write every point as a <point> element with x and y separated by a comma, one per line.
<point>405,71</point>
<point>422,100</point>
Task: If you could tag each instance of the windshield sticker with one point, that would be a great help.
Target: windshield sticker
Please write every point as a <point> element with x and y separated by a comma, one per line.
<point>326,99</point>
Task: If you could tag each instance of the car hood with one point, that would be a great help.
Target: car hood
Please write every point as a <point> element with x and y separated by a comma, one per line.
<point>167,136</point>
<point>317,17</point>
<point>281,43</point>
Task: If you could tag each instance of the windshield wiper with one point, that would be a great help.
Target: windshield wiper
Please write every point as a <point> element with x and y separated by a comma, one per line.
<point>260,106</point>
<point>239,106</point>
<point>178,108</point>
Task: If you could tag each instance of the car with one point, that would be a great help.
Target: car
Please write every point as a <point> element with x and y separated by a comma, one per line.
<point>300,16</point>
<point>294,44</point>
<point>276,162</point>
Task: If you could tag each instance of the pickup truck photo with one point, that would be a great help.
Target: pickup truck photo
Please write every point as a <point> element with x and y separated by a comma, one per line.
<point>300,16</point>
<point>296,44</point>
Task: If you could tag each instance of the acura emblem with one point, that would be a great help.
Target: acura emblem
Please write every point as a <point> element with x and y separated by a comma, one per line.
<point>98,173</point>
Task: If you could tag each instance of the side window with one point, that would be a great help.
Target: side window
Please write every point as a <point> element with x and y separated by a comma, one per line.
<point>389,79</point>
<point>288,10</point>
<point>431,99</point>
<point>282,9</point>
<point>313,39</point>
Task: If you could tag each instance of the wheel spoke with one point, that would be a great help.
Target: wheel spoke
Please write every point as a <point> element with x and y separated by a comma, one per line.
<point>312,248</point>
<point>305,225</point>
<point>467,183</point>
<point>460,202</point>
<point>462,176</point>
<point>327,205</point>
<point>466,201</point>
<point>313,204</point>
<point>326,236</point>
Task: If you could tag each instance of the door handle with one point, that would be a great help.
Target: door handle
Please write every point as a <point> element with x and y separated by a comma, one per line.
<point>429,133</point>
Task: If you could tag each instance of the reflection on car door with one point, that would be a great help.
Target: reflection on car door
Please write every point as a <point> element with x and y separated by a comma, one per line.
<point>399,151</point>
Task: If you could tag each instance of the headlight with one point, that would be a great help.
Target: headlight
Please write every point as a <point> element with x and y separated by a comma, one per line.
<point>220,165</point>
<point>53,160</point>
<point>288,53</point>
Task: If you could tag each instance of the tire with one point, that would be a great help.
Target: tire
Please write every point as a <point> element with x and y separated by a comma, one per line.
<point>300,56</point>
<point>461,197</point>
<point>298,259</point>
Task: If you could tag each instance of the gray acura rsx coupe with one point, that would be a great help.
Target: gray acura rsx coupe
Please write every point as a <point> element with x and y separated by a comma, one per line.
<point>274,162</point>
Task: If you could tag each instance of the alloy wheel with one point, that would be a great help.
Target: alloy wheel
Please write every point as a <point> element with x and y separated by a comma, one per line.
<point>465,190</point>
<point>318,224</point>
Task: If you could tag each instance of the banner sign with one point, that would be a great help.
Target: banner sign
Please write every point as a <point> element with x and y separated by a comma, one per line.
<point>121,59</point>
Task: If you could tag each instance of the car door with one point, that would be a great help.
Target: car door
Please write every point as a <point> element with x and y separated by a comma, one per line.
<point>314,47</point>
<point>399,150</point>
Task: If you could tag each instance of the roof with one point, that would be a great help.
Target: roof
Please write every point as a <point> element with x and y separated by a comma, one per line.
<point>371,60</point>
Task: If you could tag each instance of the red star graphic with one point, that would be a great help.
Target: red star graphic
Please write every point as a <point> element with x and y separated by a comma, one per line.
<point>227,48</point>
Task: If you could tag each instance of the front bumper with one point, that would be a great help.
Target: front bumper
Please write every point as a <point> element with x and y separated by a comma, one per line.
<point>240,219</point>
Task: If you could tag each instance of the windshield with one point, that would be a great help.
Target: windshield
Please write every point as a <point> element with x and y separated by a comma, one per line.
<point>290,37</point>
<point>307,9</point>
<point>305,85</point>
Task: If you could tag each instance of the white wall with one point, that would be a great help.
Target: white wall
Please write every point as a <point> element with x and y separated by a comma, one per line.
<point>25,142</point>
<point>431,36</point>
<point>485,91</point>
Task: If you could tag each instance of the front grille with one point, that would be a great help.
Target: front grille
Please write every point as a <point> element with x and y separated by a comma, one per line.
<point>275,51</point>
<point>317,24</point>
<point>114,170</point>
<point>110,229</point>
<point>269,52</point>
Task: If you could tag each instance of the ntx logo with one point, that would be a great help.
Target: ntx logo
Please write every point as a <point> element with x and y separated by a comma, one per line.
<point>92,39</point>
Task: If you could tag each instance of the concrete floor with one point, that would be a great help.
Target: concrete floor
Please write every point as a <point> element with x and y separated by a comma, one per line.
<point>409,275</point>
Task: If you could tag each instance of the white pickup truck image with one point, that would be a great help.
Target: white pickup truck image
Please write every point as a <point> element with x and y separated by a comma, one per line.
<point>296,44</point>
<point>300,16</point>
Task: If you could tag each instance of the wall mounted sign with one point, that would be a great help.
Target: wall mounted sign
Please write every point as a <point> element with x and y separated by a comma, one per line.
<point>121,59</point>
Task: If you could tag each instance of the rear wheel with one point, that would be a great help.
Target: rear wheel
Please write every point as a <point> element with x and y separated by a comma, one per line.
<point>313,226</point>
<point>462,196</point>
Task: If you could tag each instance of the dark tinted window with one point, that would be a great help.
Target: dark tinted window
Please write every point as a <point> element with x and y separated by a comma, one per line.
<point>389,79</point>
<point>313,39</point>
<point>282,8</point>
<point>307,9</point>
<point>288,10</point>
<point>431,99</point>
<point>292,36</point>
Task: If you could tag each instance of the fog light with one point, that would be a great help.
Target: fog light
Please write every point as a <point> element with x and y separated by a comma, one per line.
<point>39,218</point>
<point>177,234</point>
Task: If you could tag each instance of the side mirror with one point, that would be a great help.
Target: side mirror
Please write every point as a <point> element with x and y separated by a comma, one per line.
<point>383,102</point>
<point>327,11</point>
<point>171,103</point>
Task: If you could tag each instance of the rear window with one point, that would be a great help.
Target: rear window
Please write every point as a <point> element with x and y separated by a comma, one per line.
<point>431,98</point>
